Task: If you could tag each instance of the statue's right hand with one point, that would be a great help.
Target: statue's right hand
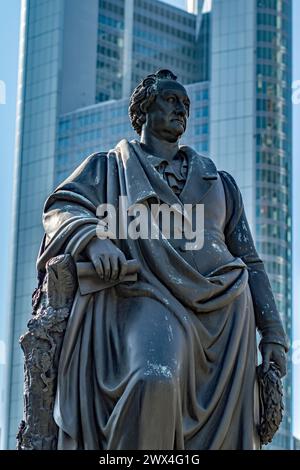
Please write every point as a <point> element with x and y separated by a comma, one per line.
<point>109,262</point>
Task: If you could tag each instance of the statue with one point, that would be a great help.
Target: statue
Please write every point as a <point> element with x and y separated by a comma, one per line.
<point>159,347</point>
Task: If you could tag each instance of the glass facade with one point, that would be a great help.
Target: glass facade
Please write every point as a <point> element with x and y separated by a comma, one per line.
<point>161,36</point>
<point>236,63</point>
<point>273,163</point>
<point>110,46</point>
<point>251,136</point>
<point>203,38</point>
<point>38,97</point>
<point>90,130</point>
<point>164,37</point>
<point>232,93</point>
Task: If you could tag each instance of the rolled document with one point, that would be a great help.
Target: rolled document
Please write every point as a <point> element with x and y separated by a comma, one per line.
<point>89,281</point>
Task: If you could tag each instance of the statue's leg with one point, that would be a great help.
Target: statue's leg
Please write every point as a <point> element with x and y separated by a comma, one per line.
<point>41,345</point>
<point>148,415</point>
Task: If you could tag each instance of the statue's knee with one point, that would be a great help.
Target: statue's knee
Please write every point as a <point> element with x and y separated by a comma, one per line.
<point>158,376</point>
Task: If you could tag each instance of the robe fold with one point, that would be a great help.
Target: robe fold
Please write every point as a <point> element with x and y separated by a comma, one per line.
<point>168,361</point>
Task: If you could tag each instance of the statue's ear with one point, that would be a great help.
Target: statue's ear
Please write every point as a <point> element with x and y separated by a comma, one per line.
<point>144,107</point>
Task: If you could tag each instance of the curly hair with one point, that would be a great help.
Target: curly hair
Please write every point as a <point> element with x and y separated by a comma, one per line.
<point>145,93</point>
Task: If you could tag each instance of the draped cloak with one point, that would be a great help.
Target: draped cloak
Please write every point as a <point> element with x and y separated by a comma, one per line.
<point>167,361</point>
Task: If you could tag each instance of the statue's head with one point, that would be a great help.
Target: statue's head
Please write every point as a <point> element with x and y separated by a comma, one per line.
<point>161,105</point>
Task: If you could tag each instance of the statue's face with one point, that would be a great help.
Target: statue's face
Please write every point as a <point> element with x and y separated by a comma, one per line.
<point>166,117</point>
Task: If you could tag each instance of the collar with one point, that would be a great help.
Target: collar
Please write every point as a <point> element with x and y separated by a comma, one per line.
<point>202,176</point>
<point>154,160</point>
<point>144,182</point>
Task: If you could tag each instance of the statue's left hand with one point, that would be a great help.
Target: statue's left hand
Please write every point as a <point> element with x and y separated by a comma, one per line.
<point>273,352</point>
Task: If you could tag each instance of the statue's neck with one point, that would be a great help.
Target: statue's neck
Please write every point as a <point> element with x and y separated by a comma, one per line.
<point>158,147</point>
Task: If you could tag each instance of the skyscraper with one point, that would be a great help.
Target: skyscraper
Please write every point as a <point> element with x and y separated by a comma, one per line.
<point>79,62</point>
<point>250,108</point>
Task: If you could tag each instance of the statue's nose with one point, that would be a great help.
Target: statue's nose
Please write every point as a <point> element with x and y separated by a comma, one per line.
<point>180,109</point>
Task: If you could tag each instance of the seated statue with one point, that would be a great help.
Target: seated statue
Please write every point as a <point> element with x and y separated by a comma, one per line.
<point>160,348</point>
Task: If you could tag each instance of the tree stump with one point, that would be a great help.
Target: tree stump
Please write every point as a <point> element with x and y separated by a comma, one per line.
<point>41,344</point>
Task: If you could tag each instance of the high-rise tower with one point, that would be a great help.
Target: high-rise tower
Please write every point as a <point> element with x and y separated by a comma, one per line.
<point>79,62</point>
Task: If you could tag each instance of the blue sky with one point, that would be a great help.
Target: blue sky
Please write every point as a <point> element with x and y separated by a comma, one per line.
<point>9,31</point>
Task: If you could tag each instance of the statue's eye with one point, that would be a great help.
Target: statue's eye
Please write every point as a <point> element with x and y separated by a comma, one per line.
<point>171,99</point>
